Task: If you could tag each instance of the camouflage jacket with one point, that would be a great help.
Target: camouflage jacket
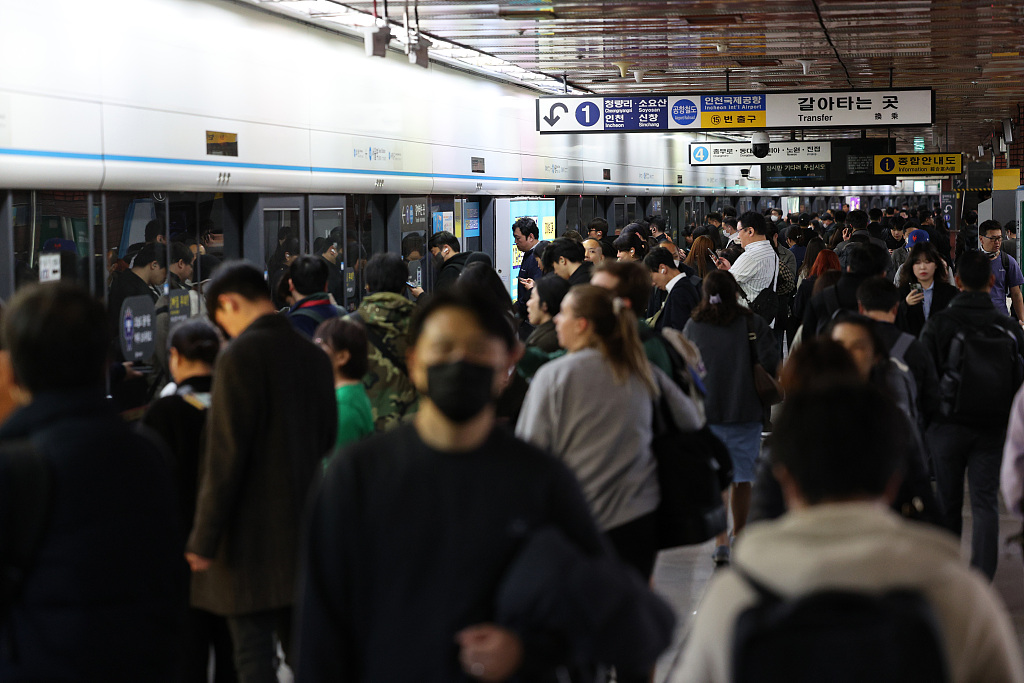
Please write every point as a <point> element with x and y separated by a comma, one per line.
<point>392,394</point>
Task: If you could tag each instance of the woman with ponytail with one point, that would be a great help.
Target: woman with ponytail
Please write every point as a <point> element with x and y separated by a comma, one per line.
<point>593,409</point>
<point>721,328</point>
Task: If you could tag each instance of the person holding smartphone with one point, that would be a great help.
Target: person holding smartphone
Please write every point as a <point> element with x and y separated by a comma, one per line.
<point>924,288</point>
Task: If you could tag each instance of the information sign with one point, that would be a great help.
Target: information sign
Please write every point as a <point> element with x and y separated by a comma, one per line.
<point>49,267</point>
<point>918,164</point>
<point>736,110</point>
<point>794,175</point>
<point>137,339</point>
<point>736,153</point>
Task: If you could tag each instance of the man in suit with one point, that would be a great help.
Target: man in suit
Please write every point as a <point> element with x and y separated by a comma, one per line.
<point>272,420</point>
<point>681,293</point>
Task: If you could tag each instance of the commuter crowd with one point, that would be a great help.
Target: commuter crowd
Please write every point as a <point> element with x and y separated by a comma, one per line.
<point>456,484</point>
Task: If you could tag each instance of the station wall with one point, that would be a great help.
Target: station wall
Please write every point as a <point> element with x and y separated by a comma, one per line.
<point>119,95</point>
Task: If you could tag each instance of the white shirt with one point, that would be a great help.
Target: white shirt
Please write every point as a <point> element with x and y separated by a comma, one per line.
<point>861,547</point>
<point>756,268</point>
<point>672,283</point>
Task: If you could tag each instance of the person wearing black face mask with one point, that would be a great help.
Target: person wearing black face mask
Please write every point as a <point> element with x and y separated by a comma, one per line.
<point>412,529</point>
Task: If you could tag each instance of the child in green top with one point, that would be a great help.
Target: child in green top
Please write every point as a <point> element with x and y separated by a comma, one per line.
<point>344,340</point>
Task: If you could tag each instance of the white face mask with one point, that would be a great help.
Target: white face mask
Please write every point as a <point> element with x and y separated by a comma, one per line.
<point>776,219</point>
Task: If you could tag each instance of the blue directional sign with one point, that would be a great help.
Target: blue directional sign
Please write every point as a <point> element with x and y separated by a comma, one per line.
<point>588,114</point>
<point>700,154</point>
<point>684,112</point>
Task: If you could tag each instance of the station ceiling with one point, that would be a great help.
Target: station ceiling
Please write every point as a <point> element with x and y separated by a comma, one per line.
<point>970,51</point>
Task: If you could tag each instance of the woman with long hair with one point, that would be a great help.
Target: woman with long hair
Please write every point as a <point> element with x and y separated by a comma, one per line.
<point>924,287</point>
<point>814,247</point>
<point>721,327</point>
<point>593,409</point>
<point>699,257</point>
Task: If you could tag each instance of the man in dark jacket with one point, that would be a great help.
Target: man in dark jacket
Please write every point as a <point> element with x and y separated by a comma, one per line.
<point>682,295</point>
<point>272,420</point>
<point>107,572</point>
<point>958,445</point>
<point>307,281</point>
<point>566,258</point>
<point>330,252</point>
<point>149,270</point>
<point>413,534</point>
<point>878,299</point>
<point>449,260</point>
<point>866,260</point>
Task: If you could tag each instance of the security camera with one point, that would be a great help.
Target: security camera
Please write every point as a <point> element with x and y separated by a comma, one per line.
<point>745,172</point>
<point>761,143</point>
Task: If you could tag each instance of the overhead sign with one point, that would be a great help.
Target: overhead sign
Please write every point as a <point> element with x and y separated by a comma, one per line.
<point>736,153</point>
<point>794,175</point>
<point>736,110</point>
<point>918,164</point>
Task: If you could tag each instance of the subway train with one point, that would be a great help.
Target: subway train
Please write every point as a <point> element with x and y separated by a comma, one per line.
<point>235,123</point>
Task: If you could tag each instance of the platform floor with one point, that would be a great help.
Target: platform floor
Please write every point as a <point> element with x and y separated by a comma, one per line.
<point>681,577</point>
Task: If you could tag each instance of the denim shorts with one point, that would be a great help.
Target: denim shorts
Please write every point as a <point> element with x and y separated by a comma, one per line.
<point>743,441</point>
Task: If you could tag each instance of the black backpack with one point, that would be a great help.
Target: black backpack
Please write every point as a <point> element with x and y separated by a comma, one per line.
<point>981,375</point>
<point>837,636</point>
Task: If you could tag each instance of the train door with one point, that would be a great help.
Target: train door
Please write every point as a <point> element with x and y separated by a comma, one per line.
<point>270,216</point>
<point>326,216</point>
<point>624,211</point>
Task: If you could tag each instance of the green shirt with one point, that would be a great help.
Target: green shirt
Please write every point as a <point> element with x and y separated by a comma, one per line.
<point>355,417</point>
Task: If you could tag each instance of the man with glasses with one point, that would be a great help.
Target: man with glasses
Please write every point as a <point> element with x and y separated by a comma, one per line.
<point>526,236</point>
<point>1005,270</point>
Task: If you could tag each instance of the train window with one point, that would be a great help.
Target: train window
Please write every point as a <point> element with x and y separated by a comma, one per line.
<point>53,222</point>
<point>278,222</point>
<point>588,210</point>
<point>572,214</point>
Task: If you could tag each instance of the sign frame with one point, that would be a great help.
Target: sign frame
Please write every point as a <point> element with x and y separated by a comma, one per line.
<point>566,111</point>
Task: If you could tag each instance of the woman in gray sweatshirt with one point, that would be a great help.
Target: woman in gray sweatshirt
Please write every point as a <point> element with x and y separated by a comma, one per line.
<point>593,409</point>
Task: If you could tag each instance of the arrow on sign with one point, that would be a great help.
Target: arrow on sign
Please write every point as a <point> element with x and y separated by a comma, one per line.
<point>552,118</point>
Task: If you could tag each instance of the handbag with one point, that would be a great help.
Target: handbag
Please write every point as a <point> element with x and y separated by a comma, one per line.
<point>767,387</point>
<point>693,470</point>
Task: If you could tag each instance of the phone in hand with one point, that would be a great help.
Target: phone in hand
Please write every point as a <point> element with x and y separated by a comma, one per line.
<point>714,257</point>
<point>918,287</point>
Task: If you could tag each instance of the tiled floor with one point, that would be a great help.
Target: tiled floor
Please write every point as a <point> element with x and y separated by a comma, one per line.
<point>681,576</point>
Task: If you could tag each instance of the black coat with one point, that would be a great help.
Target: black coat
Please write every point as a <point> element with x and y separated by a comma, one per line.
<point>109,574</point>
<point>179,420</point>
<point>678,305</point>
<point>450,271</point>
<point>911,318</point>
<point>272,420</point>
<point>846,290</point>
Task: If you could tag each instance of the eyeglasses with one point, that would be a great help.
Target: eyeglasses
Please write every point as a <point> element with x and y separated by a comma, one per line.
<point>993,239</point>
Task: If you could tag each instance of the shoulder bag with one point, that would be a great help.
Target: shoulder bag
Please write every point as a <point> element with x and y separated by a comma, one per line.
<point>765,384</point>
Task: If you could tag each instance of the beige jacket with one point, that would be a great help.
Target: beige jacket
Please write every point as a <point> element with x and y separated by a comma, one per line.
<point>858,546</point>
